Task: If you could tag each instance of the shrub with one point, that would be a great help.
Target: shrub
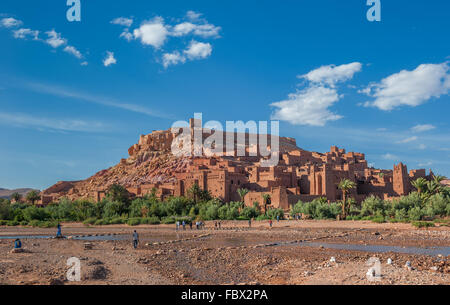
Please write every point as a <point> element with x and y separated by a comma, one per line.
<point>415,213</point>
<point>151,220</point>
<point>372,205</point>
<point>90,221</point>
<point>273,213</point>
<point>134,221</point>
<point>249,213</point>
<point>422,224</point>
<point>168,220</point>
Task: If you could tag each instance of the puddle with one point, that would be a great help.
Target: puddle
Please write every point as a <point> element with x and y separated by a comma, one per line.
<point>433,251</point>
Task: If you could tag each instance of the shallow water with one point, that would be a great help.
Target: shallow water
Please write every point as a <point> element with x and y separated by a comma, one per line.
<point>433,251</point>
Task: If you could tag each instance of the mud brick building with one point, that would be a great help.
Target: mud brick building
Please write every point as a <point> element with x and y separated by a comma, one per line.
<point>299,175</point>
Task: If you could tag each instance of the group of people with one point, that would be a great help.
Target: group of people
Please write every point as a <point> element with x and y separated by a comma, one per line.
<point>198,224</point>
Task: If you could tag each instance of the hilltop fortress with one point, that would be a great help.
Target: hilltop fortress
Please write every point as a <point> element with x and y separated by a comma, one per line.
<point>298,175</point>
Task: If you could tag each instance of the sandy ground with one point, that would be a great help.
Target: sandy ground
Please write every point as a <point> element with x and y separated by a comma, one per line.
<point>236,254</point>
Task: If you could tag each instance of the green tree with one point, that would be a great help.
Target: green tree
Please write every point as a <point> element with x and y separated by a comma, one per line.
<point>33,196</point>
<point>16,196</point>
<point>242,192</point>
<point>345,186</point>
<point>267,202</point>
<point>420,184</point>
<point>116,192</point>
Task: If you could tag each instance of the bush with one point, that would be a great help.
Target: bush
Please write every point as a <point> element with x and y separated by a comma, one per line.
<point>273,213</point>
<point>134,221</point>
<point>168,220</point>
<point>422,224</point>
<point>151,221</point>
<point>372,206</point>
<point>249,213</point>
<point>90,221</point>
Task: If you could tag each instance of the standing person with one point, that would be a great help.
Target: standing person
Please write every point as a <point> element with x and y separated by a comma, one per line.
<point>250,223</point>
<point>184,225</point>
<point>278,218</point>
<point>177,225</point>
<point>270,223</point>
<point>215,225</point>
<point>220,225</point>
<point>135,239</point>
<point>58,232</point>
<point>196,224</point>
<point>190,224</point>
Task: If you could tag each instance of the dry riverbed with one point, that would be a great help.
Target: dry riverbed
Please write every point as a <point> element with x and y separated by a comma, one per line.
<point>292,252</point>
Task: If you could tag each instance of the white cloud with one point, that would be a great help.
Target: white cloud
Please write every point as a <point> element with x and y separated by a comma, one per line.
<point>193,16</point>
<point>72,50</point>
<point>10,22</point>
<point>410,88</point>
<point>332,74</point>
<point>55,39</point>
<point>407,140</point>
<point>26,120</point>
<point>24,33</point>
<point>389,156</point>
<point>109,59</point>
<point>153,33</point>
<point>308,107</point>
<point>84,63</point>
<point>198,50</point>
<point>422,128</point>
<point>422,146</point>
<point>127,22</point>
<point>127,35</point>
<point>173,59</point>
<point>202,30</point>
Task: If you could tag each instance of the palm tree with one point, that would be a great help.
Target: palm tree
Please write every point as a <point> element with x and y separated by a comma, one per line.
<point>420,184</point>
<point>267,202</point>
<point>345,186</point>
<point>242,193</point>
<point>195,192</point>
<point>16,196</point>
<point>33,196</point>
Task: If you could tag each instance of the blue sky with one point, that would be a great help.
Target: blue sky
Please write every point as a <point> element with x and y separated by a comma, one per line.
<point>75,95</point>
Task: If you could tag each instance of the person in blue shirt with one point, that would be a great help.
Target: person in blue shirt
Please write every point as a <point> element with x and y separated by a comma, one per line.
<point>58,233</point>
<point>135,239</point>
<point>17,244</point>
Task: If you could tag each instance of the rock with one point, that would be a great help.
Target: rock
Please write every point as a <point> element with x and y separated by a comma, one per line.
<point>17,250</point>
<point>332,259</point>
<point>88,246</point>
<point>56,281</point>
<point>389,261</point>
<point>98,272</point>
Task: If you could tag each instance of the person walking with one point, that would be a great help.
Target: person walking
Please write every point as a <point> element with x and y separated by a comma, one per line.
<point>278,218</point>
<point>58,232</point>
<point>220,225</point>
<point>135,239</point>
<point>270,223</point>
